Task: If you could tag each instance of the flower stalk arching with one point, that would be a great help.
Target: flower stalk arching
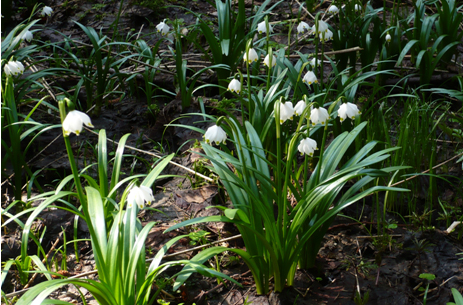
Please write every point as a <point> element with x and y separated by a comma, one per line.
<point>72,161</point>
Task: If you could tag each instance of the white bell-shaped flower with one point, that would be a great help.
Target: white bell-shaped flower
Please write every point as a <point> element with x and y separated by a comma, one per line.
<point>234,86</point>
<point>319,116</point>
<point>262,28</point>
<point>267,61</point>
<point>252,56</point>
<point>307,146</point>
<point>163,28</point>
<point>286,111</point>
<point>313,62</point>
<point>388,37</point>
<point>322,27</point>
<point>141,196</point>
<point>348,110</point>
<point>300,107</point>
<point>357,7</point>
<point>302,27</point>
<point>333,9</point>
<point>46,11</point>
<point>27,36</point>
<point>326,36</point>
<point>310,78</point>
<point>74,121</point>
<point>215,134</point>
<point>13,68</point>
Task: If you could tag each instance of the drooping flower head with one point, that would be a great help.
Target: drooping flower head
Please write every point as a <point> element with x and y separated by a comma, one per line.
<point>388,37</point>
<point>307,146</point>
<point>267,61</point>
<point>325,36</point>
<point>357,7</point>
<point>333,9</point>
<point>74,121</point>
<point>319,116</point>
<point>300,107</point>
<point>313,62</point>
<point>322,27</point>
<point>302,27</point>
<point>215,134</point>
<point>286,111</point>
<point>27,36</point>
<point>252,56</point>
<point>262,28</point>
<point>13,68</point>
<point>46,11</point>
<point>310,78</point>
<point>234,86</point>
<point>163,28</point>
<point>141,196</point>
<point>348,110</point>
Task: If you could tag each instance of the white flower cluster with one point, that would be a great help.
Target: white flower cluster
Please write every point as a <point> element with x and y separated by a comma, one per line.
<point>13,68</point>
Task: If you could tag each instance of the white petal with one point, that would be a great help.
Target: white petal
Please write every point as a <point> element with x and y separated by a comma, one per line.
<point>300,107</point>
<point>267,60</point>
<point>234,86</point>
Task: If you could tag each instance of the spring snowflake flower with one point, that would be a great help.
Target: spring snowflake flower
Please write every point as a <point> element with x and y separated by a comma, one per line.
<point>313,62</point>
<point>74,121</point>
<point>310,78</point>
<point>234,86</point>
<point>302,27</point>
<point>215,134</point>
<point>286,112</point>
<point>267,61</point>
<point>299,108</point>
<point>326,36</point>
<point>262,28</point>
<point>307,146</point>
<point>319,116</point>
<point>13,68</point>
<point>163,28</point>
<point>357,7</point>
<point>252,56</point>
<point>46,11</point>
<point>27,36</point>
<point>388,38</point>
<point>322,27</point>
<point>141,196</point>
<point>333,9</point>
<point>348,110</point>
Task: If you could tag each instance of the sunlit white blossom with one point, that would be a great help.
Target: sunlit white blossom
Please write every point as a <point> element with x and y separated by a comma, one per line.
<point>286,112</point>
<point>27,36</point>
<point>348,110</point>
<point>322,27</point>
<point>46,11</point>
<point>310,78</point>
<point>267,60</point>
<point>252,56</point>
<point>163,28</point>
<point>215,134</point>
<point>307,146</point>
<point>13,68</point>
<point>326,36</point>
<point>319,116</point>
<point>262,28</point>
<point>142,196</point>
<point>302,27</point>
<point>299,108</point>
<point>74,121</point>
<point>234,86</point>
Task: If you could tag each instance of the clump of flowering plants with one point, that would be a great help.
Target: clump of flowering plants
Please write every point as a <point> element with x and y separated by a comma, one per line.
<point>277,242</point>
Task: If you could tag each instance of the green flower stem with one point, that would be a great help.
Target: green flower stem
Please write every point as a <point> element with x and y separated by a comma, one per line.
<point>322,149</point>
<point>248,45</point>
<point>72,162</point>
<point>276,173</point>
